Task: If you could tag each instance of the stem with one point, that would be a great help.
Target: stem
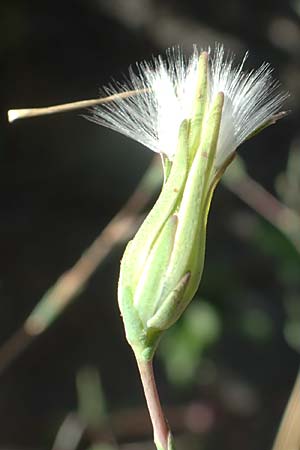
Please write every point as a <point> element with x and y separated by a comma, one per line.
<point>269,207</point>
<point>73,281</point>
<point>160,428</point>
<point>14,114</point>
<point>288,436</point>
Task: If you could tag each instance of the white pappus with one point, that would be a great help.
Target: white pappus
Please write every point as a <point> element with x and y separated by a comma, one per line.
<point>166,90</point>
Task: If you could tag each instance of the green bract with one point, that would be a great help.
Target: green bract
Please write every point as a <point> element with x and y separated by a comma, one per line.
<point>162,266</point>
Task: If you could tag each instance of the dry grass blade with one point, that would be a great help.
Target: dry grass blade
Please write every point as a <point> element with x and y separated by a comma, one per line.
<point>15,114</point>
<point>288,436</point>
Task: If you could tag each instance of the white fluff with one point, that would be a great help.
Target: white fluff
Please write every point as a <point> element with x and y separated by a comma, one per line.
<point>153,117</point>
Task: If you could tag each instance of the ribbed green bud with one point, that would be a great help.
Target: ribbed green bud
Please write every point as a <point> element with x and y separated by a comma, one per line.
<point>162,266</point>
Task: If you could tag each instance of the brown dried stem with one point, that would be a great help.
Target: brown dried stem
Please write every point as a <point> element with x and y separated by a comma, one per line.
<point>264,203</point>
<point>288,436</point>
<point>15,114</point>
<point>71,283</point>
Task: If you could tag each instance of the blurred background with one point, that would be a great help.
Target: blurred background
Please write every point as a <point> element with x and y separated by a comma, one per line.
<point>226,369</point>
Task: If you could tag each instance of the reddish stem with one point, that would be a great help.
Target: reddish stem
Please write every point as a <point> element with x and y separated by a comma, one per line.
<point>160,427</point>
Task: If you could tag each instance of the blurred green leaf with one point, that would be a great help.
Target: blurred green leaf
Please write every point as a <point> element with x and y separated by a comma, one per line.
<point>273,243</point>
<point>256,324</point>
<point>288,182</point>
<point>182,348</point>
<point>292,324</point>
<point>102,447</point>
<point>91,402</point>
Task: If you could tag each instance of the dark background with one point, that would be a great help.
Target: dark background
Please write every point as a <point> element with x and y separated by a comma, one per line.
<point>63,178</point>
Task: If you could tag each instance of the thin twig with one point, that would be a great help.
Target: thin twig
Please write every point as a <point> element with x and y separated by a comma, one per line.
<point>14,114</point>
<point>288,436</point>
<point>13,347</point>
<point>265,204</point>
<point>71,283</point>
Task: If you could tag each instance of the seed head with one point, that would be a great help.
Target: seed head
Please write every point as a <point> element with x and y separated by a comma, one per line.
<point>167,91</point>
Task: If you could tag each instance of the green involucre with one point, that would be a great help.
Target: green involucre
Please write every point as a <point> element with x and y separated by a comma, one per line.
<point>162,266</point>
